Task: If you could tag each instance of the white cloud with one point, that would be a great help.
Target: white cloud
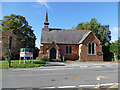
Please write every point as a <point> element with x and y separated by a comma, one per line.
<point>43,2</point>
<point>115,30</point>
<point>114,33</point>
<point>112,41</point>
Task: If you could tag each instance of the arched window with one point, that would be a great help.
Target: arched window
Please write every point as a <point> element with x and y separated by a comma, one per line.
<point>70,50</point>
<point>66,49</point>
<point>93,48</point>
<point>89,48</point>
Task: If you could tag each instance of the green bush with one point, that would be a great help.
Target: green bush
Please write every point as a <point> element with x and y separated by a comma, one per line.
<point>15,64</point>
<point>39,61</point>
<point>45,59</point>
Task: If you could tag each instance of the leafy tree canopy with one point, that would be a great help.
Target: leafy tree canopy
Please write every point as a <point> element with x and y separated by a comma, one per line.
<point>115,49</point>
<point>23,35</point>
<point>102,32</point>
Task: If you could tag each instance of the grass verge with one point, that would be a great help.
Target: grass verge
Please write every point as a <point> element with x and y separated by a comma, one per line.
<point>28,64</point>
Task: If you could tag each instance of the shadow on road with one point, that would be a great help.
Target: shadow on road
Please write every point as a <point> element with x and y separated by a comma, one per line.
<point>52,65</point>
<point>48,64</point>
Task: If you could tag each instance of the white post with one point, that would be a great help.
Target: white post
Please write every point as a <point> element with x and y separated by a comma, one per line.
<point>48,53</point>
<point>24,60</point>
<point>20,60</point>
<point>57,54</point>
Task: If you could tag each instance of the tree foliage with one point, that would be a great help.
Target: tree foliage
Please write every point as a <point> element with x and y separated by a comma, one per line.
<point>102,32</point>
<point>23,35</point>
<point>115,49</point>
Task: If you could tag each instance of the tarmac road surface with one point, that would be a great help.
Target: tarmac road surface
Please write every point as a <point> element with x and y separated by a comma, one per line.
<point>62,75</point>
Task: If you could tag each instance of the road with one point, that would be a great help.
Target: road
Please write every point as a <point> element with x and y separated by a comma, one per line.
<point>62,75</point>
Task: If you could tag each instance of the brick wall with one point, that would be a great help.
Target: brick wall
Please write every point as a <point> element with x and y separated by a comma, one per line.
<point>84,49</point>
<point>74,55</point>
<point>75,50</point>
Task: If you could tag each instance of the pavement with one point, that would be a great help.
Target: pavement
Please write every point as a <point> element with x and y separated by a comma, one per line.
<point>60,75</point>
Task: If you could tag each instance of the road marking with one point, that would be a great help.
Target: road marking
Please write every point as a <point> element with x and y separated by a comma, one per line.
<point>48,87</point>
<point>76,78</point>
<point>100,85</point>
<point>99,77</point>
<point>86,85</point>
<point>113,86</point>
<point>66,86</point>
<point>109,84</point>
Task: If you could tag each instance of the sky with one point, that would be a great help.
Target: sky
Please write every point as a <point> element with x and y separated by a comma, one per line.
<point>64,15</point>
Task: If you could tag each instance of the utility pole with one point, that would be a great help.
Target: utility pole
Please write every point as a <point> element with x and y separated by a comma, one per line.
<point>10,45</point>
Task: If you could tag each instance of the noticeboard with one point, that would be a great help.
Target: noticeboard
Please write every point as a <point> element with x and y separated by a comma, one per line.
<point>26,52</point>
<point>99,53</point>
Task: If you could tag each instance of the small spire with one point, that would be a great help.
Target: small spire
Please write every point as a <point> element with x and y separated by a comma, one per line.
<point>46,23</point>
<point>46,17</point>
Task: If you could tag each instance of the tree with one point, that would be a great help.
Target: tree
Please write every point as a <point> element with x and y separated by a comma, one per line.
<point>35,51</point>
<point>23,35</point>
<point>115,48</point>
<point>102,32</point>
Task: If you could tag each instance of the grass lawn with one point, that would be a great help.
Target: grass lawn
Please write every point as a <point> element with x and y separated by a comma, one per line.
<point>15,64</point>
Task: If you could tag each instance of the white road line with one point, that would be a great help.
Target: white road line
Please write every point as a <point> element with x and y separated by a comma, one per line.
<point>48,87</point>
<point>100,84</point>
<point>66,86</point>
<point>86,85</point>
<point>110,84</point>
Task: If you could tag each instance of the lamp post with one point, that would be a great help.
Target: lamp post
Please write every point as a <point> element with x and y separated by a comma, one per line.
<point>10,45</point>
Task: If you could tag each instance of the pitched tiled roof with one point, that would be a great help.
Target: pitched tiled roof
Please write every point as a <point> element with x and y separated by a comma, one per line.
<point>64,36</point>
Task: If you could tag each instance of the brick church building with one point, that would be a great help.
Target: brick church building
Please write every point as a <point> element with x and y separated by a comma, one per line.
<point>72,44</point>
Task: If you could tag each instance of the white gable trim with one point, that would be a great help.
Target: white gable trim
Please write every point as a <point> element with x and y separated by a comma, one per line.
<point>84,37</point>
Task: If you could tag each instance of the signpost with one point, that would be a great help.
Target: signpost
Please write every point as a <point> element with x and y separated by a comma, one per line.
<point>25,53</point>
<point>10,45</point>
